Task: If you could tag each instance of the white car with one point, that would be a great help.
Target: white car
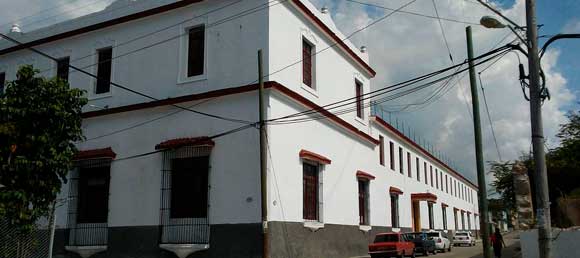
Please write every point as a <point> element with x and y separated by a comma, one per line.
<point>463,238</point>
<point>442,243</point>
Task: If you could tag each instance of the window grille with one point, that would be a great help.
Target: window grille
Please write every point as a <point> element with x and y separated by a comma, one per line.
<point>186,224</point>
<point>85,228</point>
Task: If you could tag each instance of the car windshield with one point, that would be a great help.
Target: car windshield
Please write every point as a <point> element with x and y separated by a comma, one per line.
<point>433,234</point>
<point>386,238</point>
<point>461,234</point>
<point>415,236</point>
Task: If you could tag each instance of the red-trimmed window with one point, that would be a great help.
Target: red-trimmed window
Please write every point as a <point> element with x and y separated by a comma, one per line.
<point>310,191</point>
<point>436,178</point>
<point>307,63</point>
<point>409,165</point>
<point>392,155</point>
<point>381,150</point>
<point>425,171</point>
<point>431,174</point>
<point>359,102</point>
<point>418,169</point>
<point>363,201</point>
<point>401,163</point>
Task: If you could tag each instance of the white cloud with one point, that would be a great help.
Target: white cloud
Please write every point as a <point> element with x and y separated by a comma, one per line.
<point>405,46</point>
<point>572,26</point>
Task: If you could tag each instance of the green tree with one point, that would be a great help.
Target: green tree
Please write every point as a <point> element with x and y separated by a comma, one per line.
<point>503,185</point>
<point>40,119</point>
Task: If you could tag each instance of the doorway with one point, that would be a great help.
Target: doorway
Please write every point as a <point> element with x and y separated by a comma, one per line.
<point>416,216</point>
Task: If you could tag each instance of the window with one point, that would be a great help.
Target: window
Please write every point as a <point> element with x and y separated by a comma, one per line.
<point>381,150</point>
<point>436,178</point>
<point>409,164</point>
<point>359,102</point>
<point>392,155</point>
<point>189,187</point>
<point>2,82</point>
<point>431,175</point>
<point>401,166</point>
<point>62,68</point>
<point>363,202</point>
<point>93,194</point>
<point>195,51</point>
<point>418,169</point>
<point>462,220</point>
<point>444,215</point>
<point>310,191</point>
<point>468,221</point>
<point>431,219</point>
<point>455,219</point>
<point>425,171</point>
<point>306,63</point>
<point>104,70</point>
<point>395,210</point>
<point>446,184</point>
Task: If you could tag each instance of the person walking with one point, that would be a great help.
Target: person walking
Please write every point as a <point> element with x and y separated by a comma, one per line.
<point>497,243</point>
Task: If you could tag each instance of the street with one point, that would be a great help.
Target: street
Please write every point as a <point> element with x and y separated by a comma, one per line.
<point>511,251</point>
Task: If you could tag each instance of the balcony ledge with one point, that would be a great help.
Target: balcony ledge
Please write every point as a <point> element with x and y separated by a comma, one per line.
<point>184,250</point>
<point>86,251</point>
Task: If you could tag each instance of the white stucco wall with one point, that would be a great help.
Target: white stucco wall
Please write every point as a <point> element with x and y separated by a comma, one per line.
<point>231,52</point>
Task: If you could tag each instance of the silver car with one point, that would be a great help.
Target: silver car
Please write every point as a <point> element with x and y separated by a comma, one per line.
<point>442,243</point>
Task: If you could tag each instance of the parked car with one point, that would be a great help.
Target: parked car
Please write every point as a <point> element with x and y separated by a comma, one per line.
<point>442,242</point>
<point>423,243</point>
<point>463,238</point>
<point>391,245</point>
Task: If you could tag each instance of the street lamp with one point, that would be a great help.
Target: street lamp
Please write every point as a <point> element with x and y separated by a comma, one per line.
<point>493,23</point>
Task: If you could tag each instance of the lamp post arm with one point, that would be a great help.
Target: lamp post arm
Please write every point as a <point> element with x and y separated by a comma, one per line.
<point>557,37</point>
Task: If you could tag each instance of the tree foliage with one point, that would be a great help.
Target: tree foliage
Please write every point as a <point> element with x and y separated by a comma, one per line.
<point>40,119</point>
<point>503,184</point>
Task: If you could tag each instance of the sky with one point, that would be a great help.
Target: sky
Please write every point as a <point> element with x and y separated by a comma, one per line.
<point>404,46</point>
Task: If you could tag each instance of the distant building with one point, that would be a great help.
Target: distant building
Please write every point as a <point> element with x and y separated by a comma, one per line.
<point>151,182</point>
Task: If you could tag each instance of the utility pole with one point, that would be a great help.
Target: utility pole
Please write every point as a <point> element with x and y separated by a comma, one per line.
<point>263,158</point>
<point>541,177</point>
<point>483,222</point>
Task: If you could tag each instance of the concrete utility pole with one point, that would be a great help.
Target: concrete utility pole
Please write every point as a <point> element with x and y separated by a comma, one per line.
<point>263,158</point>
<point>483,222</point>
<point>541,177</point>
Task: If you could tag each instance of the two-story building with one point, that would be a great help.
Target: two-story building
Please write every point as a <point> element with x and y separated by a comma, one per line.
<point>152,180</point>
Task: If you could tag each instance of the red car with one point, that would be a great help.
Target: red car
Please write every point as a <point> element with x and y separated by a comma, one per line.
<point>391,245</point>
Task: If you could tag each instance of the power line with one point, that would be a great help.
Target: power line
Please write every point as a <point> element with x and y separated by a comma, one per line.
<point>489,117</point>
<point>126,88</point>
<point>389,88</point>
<point>241,128</point>
<point>412,13</point>
<point>373,94</point>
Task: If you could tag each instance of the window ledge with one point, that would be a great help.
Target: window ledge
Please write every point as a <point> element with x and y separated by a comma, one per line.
<point>396,229</point>
<point>184,250</point>
<point>86,251</point>
<point>310,90</point>
<point>365,228</point>
<point>313,225</point>
<point>184,80</point>
<point>100,96</point>
<point>360,120</point>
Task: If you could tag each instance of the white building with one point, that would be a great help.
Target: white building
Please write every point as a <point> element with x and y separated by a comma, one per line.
<point>149,180</point>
